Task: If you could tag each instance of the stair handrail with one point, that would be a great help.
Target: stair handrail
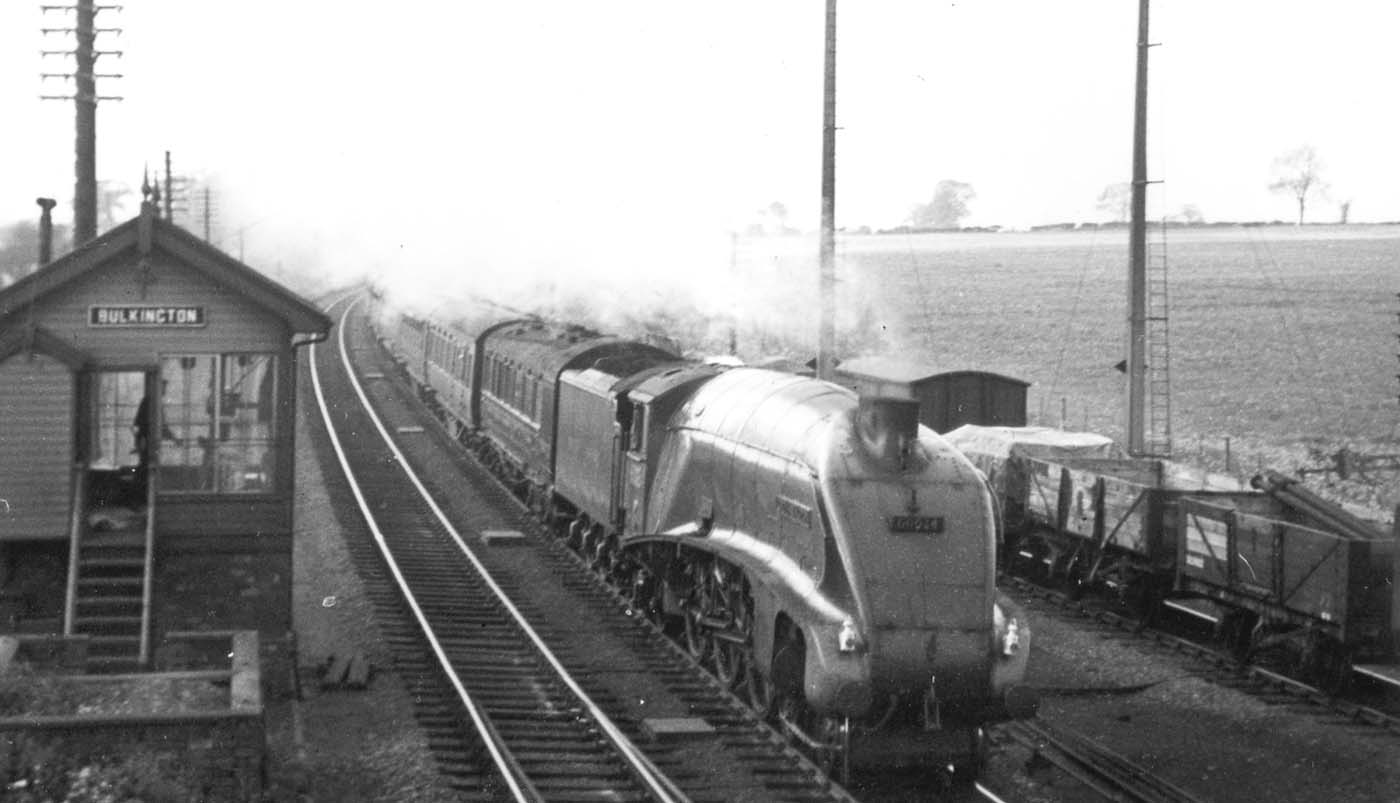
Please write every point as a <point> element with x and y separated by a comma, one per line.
<point>70,601</point>
<point>146,569</point>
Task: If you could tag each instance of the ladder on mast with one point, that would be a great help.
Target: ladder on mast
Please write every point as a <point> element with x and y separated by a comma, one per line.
<point>1158,441</point>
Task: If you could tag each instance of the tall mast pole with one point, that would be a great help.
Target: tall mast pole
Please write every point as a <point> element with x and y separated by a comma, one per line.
<point>85,99</point>
<point>1137,255</point>
<point>169,191</point>
<point>85,107</point>
<point>826,335</point>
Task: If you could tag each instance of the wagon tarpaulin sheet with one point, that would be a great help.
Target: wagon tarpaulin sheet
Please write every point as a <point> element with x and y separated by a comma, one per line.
<point>989,447</point>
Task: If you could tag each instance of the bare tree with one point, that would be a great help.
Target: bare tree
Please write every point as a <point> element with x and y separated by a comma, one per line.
<point>1298,173</point>
<point>19,248</point>
<point>948,207</point>
<point>111,200</point>
<point>1191,215</point>
<point>771,219</point>
<point>1116,201</point>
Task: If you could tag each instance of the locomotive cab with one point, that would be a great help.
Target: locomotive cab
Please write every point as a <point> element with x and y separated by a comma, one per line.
<point>645,412</point>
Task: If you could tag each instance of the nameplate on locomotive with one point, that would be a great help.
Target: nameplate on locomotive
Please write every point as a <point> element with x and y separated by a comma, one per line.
<point>160,315</point>
<point>916,524</point>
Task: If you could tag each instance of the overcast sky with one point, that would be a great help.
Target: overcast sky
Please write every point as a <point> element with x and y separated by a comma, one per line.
<point>378,132</point>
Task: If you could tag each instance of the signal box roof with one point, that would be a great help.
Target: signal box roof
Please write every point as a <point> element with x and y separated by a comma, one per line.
<point>141,236</point>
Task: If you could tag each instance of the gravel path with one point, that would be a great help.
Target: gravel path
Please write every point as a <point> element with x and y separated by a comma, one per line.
<point>341,746</point>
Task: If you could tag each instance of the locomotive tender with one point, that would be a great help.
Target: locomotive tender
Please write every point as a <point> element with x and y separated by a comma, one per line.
<point>824,555</point>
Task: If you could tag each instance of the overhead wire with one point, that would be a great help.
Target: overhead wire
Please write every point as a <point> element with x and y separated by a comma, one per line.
<point>1288,335</point>
<point>1070,321</point>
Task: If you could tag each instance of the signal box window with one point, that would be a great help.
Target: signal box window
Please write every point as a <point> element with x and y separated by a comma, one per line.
<point>218,429</point>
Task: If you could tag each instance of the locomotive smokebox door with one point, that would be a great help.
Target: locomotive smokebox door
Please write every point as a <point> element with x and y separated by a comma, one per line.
<point>888,427</point>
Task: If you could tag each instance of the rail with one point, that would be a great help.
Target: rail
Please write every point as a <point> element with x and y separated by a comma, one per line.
<point>148,567</point>
<point>1107,773</point>
<point>70,600</point>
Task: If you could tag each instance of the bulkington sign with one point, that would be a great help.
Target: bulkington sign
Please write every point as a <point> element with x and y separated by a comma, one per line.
<point>145,315</point>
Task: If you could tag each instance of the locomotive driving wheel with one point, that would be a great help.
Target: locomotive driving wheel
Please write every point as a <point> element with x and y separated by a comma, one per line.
<point>698,606</point>
<point>697,639</point>
<point>734,648</point>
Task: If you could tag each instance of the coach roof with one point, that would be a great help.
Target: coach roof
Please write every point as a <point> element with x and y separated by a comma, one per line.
<point>550,348</point>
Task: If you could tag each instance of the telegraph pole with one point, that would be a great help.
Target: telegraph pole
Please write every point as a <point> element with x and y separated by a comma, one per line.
<point>169,191</point>
<point>85,99</point>
<point>1137,255</point>
<point>826,335</point>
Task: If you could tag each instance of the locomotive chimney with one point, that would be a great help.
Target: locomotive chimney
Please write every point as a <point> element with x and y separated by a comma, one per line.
<point>888,427</point>
<point>45,230</point>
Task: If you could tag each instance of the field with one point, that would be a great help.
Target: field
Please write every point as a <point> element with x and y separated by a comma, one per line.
<point>1283,340</point>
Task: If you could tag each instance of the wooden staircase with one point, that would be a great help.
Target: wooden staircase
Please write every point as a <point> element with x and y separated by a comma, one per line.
<point>109,590</point>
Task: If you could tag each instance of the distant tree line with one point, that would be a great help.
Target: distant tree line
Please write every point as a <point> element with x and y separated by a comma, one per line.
<point>1297,173</point>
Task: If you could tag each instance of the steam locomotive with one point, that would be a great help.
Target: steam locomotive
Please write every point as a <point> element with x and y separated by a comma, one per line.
<point>824,555</point>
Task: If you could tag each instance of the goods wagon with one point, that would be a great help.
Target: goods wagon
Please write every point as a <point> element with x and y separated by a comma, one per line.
<point>1286,570</point>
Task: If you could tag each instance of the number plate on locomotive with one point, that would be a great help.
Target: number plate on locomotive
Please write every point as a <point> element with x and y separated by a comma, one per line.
<point>916,524</point>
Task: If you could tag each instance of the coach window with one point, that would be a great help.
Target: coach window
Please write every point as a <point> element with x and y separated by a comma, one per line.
<point>218,431</point>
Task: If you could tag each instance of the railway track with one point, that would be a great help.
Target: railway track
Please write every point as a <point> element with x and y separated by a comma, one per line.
<point>1103,771</point>
<point>1211,663</point>
<point>531,680</point>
